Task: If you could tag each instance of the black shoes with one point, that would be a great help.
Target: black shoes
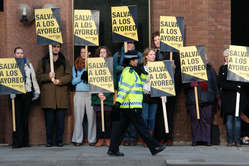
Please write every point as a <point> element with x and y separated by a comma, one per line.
<point>16,146</point>
<point>49,145</point>
<point>158,149</point>
<point>116,154</point>
<point>59,144</point>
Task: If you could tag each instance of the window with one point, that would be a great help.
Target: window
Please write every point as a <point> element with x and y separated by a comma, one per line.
<point>1,5</point>
<point>239,23</point>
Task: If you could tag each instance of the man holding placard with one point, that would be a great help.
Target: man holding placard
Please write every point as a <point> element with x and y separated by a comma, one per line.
<point>233,76</point>
<point>54,92</point>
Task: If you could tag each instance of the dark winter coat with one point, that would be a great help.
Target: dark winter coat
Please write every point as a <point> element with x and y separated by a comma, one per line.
<point>204,97</point>
<point>54,96</point>
<point>228,90</point>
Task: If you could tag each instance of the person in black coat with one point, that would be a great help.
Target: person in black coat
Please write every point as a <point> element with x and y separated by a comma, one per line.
<point>160,134</point>
<point>228,90</point>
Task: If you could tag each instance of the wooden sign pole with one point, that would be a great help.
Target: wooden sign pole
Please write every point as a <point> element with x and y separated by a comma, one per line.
<point>51,58</point>
<point>237,104</point>
<point>13,114</point>
<point>125,47</point>
<point>197,103</point>
<point>171,56</point>
<point>102,116</point>
<point>86,56</point>
<point>165,114</point>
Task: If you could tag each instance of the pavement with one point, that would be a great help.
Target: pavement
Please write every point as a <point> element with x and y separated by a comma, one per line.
<point>70,155</point>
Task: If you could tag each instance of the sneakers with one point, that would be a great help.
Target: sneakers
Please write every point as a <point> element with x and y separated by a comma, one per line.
<point>115,154</point>
<point>158,149</point>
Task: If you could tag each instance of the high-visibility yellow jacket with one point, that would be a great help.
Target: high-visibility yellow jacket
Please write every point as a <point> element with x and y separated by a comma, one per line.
<point>130,92</point>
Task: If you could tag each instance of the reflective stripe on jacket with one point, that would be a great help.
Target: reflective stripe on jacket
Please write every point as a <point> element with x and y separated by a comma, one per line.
<point>130,92</point>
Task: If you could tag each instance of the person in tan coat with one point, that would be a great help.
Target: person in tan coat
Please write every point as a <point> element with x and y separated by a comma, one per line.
<point>54,93</point>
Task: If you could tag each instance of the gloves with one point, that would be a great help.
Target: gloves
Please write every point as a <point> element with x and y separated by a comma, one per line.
<point>84,77</point>
<point>194,84</point>
<point>36,96</point>
<point>12,96</point>
<point>238,88</point>
<point>116,106</point>
<point>204,85</point>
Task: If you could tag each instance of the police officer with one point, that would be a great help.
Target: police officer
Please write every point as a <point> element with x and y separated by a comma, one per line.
<point>129,102</point>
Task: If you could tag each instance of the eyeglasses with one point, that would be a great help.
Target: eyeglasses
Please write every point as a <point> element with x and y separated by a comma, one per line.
<point>56,46</point>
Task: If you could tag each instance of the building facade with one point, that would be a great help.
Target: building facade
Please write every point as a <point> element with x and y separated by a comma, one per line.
<point>207,22</point>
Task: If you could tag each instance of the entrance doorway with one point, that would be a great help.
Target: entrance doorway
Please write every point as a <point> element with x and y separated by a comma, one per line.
<point>239,23</point>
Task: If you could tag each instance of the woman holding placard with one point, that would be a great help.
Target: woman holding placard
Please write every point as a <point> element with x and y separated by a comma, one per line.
<point>103,137</point>
<point>150,104</point>
<point>207,96</point>
<point>23,102</point>
<point>82,102</point>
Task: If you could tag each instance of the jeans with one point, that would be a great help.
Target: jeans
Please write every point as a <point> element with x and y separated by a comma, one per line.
<point>149,115</point>
<point>131,134</point>
<point>233,129</point>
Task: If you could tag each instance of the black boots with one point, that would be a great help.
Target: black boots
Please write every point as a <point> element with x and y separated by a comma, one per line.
<point>117,154</point>
<point>158,149</point>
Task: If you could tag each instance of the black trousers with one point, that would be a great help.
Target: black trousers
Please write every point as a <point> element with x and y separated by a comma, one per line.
<point>22,109</point>
<point>159,126</point>
<point>54,116</point>
<point>128,116</point>
<point>107,133</point>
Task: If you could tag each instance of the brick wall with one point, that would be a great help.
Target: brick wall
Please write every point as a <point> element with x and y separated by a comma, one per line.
<point>207,22</point>
<point>22,35</point>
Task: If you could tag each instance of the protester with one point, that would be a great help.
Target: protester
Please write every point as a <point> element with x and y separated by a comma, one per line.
<point>82,102</point>
<point>171,100</point>
<point>228,90</point>
<point>103,137</point>
<point>54,93</point>
<point>23,102</point>
<point>150,104</point>
<point>207,96</point>
<point>129,102</point>
<point>130,137</point>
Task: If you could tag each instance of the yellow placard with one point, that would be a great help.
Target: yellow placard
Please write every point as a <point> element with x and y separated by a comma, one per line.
<point>170,33</point>
<point>47,23</point>
<point>192,63</point>
<point>123,22</point>
<point>238,63</point>
<point>85,27</point>
<point>11,76</point>
<point>160,78</point>
<point>99,75</point>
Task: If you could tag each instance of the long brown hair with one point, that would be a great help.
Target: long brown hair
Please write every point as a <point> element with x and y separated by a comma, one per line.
<point>145,53</point>
<point>79,63</point>
<point>97,52</point>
